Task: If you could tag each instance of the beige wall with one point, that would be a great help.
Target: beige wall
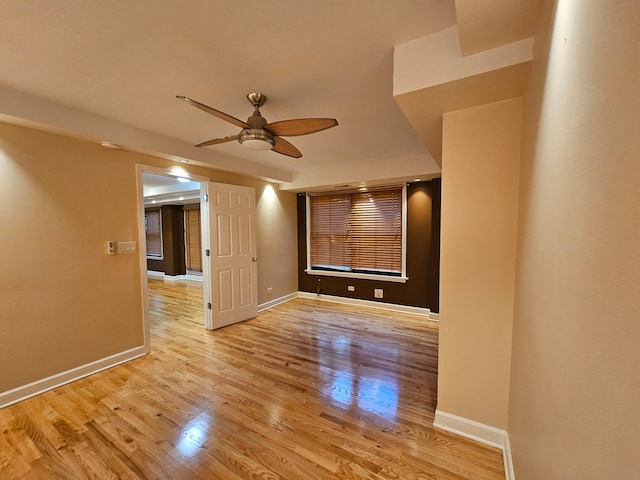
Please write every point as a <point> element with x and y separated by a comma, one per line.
<point>277,242</point>
<point>63,302</point>
<point>480,168</point>
<point>575,395</point>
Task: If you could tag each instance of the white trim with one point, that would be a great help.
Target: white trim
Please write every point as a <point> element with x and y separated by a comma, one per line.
<point>366,276</point>
<point>405,214</point>
<point>307,232</point>
<point>40,386</point>
<point>509,473</point>
<point>205,239</point>
<point>478,432</point>
<point>174,278</point>
<point>470,429</point>
<point>142,241</point>
<point>278,301</point>
<point>392,307</point>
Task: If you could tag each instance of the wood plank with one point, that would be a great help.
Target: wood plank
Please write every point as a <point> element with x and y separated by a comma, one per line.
<point>307,390</point>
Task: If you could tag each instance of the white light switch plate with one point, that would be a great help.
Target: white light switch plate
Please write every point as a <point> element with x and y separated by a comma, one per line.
<point>126,247</point>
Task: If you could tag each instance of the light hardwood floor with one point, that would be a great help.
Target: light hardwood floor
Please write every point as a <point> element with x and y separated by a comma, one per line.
<point>308,390</point>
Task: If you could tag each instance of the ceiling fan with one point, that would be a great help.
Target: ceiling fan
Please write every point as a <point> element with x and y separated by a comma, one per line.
<point>257,134</point>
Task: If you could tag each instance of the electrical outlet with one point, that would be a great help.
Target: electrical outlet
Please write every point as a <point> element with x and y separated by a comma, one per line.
<point>270,290</point>
<point>351,288</point>
<point>111,247</point>
<point>378,293</point>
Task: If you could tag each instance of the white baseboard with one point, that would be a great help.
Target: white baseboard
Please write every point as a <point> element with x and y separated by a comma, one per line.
<point>480,433</point>
<point>392,307</point>
<point>173,278</point>
<point>272,303</point>
<point>510,474</point>
<point>40,386</point>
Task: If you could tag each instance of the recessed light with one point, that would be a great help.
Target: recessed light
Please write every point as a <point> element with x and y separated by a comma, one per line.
<point>110,145</point>
<point>182,160</point>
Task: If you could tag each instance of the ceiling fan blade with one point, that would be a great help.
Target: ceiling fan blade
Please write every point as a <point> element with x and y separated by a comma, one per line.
<point>300,126</point>
<point>213,111</point>
<point>216,141</point>
<point>285,148</point>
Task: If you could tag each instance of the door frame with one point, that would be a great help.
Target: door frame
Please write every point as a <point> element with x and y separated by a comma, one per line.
<point>173,171</point>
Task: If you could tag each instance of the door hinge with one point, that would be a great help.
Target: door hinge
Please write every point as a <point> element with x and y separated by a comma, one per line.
<point>209,305</point>
<point>207,252</point>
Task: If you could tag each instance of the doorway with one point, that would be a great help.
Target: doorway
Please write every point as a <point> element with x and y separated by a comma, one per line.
<point>172,225</point>
<point>171,241</point>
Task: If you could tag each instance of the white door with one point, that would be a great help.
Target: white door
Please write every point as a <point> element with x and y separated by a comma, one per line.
<point>231,294</point>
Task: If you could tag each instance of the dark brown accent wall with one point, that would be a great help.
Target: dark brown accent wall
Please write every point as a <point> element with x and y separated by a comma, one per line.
<point>173,262</point>
<point>423,256</point>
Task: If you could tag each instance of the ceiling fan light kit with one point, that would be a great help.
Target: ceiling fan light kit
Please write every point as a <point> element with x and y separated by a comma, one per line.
<point>256,139</point>
<point>257,134</point>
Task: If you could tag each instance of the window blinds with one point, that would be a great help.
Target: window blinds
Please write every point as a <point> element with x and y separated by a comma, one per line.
<point>194,249</point>
<point>358,232</point>
<point>330,216</point>
<point>153,228</point>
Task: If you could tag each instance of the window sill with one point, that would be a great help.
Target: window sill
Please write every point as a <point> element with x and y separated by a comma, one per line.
<point>153,257</point>
<point>364,276</point>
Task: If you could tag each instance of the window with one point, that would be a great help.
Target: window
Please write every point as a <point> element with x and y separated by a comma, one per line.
<point>357,234</point>
<point>192,234</point>
<point>153,229</point>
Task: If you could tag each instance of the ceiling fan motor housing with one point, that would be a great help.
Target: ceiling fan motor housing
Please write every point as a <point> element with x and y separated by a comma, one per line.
<point>257,137</point>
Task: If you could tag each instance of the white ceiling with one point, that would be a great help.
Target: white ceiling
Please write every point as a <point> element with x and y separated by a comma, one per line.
<point>111,70</point>
<point>161,189</point>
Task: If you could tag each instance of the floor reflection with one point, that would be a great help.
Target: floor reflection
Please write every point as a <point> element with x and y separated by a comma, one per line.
<point>378,396</point>
<point>194,434</point>
<point>367,393</point>
<point>348,381</point>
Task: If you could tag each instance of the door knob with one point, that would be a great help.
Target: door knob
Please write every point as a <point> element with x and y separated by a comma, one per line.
<point>254,259</point>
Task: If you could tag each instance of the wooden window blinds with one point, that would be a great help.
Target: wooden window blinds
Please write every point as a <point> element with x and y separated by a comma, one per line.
<point>153,229</point>
<point>193,243</point>
<point>357,232</point>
